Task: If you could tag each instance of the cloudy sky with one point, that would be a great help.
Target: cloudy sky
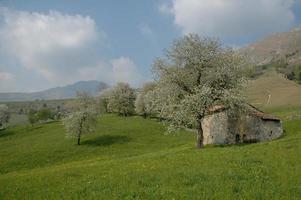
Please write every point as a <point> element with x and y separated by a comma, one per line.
<point>45,44</point>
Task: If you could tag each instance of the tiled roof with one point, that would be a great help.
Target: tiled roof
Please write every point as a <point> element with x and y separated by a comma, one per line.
<point>252,110</point>
<point>265,116</point>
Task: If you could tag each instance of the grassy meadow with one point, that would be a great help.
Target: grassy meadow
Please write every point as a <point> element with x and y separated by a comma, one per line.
<point>132,158</point>
<point>272,90</point>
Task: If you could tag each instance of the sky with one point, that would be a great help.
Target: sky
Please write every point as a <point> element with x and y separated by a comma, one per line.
<point>45,44</point>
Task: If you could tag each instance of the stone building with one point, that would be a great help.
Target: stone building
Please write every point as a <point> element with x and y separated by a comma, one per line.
<point>252,125</point>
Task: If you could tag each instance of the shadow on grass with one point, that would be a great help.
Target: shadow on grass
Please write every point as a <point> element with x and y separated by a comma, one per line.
<point>6,133</point>
<point>247,143</point>
<point>35,127</point>
<point>106,140</point>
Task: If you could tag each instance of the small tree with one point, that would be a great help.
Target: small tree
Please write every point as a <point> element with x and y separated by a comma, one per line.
<point>195,75</point>
<point>4,115</point>
<point>155,104</point>
<point>140,105</point>
<point>104,99</point>
<point>44,114</point>
<point>141,100</point>
<point>121,99</point>
<point>82,118</point>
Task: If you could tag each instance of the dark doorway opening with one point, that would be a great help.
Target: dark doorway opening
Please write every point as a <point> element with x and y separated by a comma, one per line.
<point>237,138</point>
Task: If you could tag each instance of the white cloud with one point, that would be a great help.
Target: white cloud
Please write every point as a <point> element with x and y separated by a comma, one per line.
<point>231,18</point>
<point>121,69</point>
<point>125,70</point>
<point>43,42</point>
<point>50,49</point>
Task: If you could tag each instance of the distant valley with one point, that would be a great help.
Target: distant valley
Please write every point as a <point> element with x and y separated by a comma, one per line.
<point>91,87</point>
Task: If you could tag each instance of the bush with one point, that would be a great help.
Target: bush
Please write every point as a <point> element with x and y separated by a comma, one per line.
<point>42,115</point>
<point>32,117</point>
<point>45,114</point>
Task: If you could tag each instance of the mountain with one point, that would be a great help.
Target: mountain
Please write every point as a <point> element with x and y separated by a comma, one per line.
<point>66,92</point>
<point>277,70</point>
<point>280,51</point>
<point>284,46</point>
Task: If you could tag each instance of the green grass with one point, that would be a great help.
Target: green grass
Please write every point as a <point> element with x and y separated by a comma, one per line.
<point>286,112</point>
<point>283,92</point>
<point>131,158</point>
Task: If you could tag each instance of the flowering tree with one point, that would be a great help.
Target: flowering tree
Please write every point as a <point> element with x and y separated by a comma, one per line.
<point>196,74</point>
<point>82,117</point>
<point>4,115</point>
<point>121,99</point>
<point>104,98</point>
<point>142,101</point>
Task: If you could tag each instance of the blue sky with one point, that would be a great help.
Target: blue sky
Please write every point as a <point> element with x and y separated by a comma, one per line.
<point>52,43</point>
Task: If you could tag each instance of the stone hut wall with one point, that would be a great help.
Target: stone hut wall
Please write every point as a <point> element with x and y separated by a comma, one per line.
<point>223,128</point>
<point>215,128</point>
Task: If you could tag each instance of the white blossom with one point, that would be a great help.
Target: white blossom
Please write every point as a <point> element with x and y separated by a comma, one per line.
<point>196,74</point>
<point>4,115</point>
<point>82,118</point>
<point>142,100</point>
<point>121,99</point>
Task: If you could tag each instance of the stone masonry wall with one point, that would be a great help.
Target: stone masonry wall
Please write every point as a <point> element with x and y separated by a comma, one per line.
<point>221,128</point>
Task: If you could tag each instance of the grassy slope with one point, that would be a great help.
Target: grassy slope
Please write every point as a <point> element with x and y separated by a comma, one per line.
<point>283,92</point>
<point>130,158</point>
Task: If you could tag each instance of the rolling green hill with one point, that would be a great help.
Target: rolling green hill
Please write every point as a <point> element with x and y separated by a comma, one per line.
<point>131,158</point>
<point>273,90</point>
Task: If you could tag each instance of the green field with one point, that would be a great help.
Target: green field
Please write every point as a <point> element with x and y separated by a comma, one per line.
<point>272,90</point>
<point>132,158</point>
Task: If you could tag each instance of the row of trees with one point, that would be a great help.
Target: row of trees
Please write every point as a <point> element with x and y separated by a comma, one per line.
<point>82,113</point>
<point>126,101</point>
<point>195,75</point>
<point>119,99</point>
<point>41,116</point>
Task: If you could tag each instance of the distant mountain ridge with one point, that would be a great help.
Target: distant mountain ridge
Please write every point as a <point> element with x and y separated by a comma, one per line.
<point>69,91</point>
<point>278,46</point>
<point>279,51</point>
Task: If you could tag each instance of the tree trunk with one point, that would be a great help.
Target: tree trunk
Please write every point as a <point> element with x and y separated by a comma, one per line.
<point>78,140</point>
<point>199,136</point>
<point>82,120</point>
<point>79,132</point>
